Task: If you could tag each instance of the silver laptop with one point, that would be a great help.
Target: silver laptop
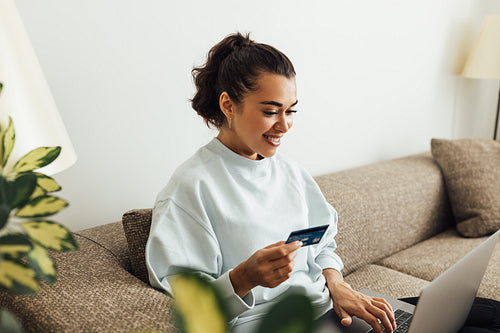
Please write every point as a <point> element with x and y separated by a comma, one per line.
<point>443,305</point>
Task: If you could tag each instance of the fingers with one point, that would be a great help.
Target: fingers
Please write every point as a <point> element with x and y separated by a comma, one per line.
<point>387,309</point>
<point>380,313</point>
<point>273,264</point>
<point>346,319</point>
<point>282,250</point>
<point>376,312</point>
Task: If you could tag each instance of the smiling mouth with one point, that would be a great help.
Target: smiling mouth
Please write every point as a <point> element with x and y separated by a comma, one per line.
<point>273,140</point>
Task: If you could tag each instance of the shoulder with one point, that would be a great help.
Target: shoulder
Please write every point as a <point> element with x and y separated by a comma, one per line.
<point>292,167</point>
<point>188,176</point>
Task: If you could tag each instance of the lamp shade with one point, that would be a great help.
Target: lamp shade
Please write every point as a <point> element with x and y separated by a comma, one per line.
<point>484,59</point>
<point>26,96</point>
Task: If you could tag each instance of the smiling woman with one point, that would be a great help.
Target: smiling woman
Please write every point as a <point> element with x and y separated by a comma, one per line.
<point>226,212</point>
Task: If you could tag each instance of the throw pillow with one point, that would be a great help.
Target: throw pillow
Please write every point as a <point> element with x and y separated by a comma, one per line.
<point>471,170</point>
<point>136,225</point>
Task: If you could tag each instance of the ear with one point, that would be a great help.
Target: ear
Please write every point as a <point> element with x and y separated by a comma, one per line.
<point>227,106</point>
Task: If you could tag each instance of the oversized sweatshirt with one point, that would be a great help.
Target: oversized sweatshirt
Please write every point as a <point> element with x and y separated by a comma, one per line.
<point>219,208</point>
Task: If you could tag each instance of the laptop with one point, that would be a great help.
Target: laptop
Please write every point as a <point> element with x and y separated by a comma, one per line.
<point>444,304</point>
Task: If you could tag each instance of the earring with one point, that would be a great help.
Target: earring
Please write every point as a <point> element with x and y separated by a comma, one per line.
<point>229,122</point>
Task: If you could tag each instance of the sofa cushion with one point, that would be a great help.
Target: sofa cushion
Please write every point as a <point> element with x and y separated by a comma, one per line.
<point>386,207</point>
<point>428,259</point>
<point>386,281</point>
<point>136,225</point>
<point>93,293</point>
<point>110,236</point>
<point>471,169</point>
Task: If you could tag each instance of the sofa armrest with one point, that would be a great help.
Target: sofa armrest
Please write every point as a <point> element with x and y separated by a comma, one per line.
<point>93,293</point>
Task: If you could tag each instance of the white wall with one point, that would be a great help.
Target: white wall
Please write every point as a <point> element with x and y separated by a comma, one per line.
<point>377,80</point>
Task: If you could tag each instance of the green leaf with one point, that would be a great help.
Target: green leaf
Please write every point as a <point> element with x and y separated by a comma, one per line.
<point>198,305</point>
<point>15,245</point>
<point>8,140</point>
<point>4,214</point>
<point>43,264</point>
<point>21,189</point>
<point>47,183</point>
<point>18,279</point>
<point>9,323</point>
<point>37,158</point>
<point>42,206</point>
<point>50,235</point>
<point>292,314</point>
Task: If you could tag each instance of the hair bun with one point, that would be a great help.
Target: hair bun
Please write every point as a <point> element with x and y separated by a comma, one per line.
<point>233,66</point>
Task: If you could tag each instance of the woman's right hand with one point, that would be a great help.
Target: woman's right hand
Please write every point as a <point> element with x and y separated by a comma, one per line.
<point>268,267</point>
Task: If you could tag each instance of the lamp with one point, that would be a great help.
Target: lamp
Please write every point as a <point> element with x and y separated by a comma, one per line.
<point>26,96</point>
<point>484,59</point>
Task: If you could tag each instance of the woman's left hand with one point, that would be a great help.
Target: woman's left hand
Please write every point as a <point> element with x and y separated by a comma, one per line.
<point>348,302</point>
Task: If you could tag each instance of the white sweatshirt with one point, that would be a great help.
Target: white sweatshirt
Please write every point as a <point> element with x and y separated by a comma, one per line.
<point>219,208</point>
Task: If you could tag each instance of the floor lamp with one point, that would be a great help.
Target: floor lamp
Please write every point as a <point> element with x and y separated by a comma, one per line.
<point>26,96</point>
<point>484,59</point>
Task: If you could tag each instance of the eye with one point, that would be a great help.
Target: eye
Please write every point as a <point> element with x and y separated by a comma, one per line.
<point>291,111</point>
<point>270,113</point>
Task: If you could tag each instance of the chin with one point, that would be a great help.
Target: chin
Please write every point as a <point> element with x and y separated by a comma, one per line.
<point>267,154</point>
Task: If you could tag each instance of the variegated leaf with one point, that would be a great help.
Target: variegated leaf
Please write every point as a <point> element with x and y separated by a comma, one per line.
<point>8,140</point>
<point>37,158</point>
<point>47,183</point>
<point>38,192</point>
<point>50,235</point>
<point>18,279</point>
<point>14,245</point>
<point>198,305</point>
<point>42,206</point>
<point>43,265</point>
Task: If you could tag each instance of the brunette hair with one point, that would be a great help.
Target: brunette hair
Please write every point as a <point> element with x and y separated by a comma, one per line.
<point>233,65</point>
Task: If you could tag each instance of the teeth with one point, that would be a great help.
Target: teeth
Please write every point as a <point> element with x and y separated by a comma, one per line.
<point>272,139</point>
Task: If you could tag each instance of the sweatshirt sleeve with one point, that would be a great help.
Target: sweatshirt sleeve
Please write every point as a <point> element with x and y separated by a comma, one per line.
<point>178,241</point>
<point>320,212</point>
<point>325,252</point>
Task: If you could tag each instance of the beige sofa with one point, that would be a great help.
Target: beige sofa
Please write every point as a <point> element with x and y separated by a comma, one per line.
<point>396,233</point>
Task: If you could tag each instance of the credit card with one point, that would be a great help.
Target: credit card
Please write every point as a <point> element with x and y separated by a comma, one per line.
<point>308,236</point>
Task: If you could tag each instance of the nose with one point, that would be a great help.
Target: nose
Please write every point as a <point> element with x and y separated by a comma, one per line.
<point>283,124</point>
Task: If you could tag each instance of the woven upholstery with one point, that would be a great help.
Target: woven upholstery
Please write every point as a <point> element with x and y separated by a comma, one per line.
<point>386,207</point>
<point>386,281</point>
<point>428,259</point>
<point>471,168</point>
<point>93,293</point>
<point>136,225</point>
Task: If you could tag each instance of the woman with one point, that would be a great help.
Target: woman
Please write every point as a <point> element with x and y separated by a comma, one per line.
<point>226,211</point>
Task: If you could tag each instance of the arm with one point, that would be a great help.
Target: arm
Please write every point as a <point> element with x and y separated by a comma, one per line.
<point>179,240</point>
<point>268,267</point>
<point>348,302</point>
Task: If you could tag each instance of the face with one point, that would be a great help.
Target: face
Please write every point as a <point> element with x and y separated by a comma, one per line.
<point>256,126</point>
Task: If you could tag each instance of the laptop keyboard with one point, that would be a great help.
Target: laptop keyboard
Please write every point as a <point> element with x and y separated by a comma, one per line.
<point>403,320</point>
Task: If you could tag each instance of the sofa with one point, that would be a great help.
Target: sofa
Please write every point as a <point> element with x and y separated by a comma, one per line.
<point>396,233</point>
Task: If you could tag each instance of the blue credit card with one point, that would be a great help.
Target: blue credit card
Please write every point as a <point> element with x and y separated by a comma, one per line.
<point>308,236</point>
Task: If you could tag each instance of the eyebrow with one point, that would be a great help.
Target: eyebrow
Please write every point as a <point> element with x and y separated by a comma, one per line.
<point>278,104</point>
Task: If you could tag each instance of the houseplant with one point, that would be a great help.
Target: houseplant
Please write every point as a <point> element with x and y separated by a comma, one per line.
<point>26,235</point>
<point>200,309</point>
